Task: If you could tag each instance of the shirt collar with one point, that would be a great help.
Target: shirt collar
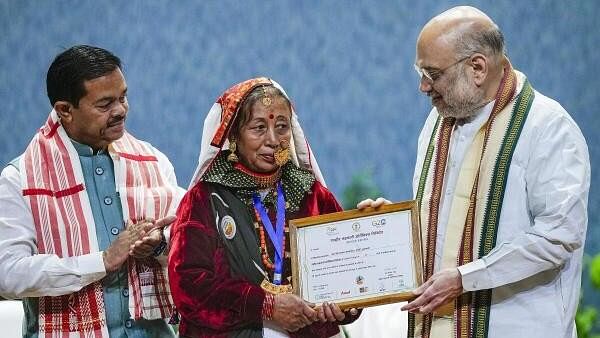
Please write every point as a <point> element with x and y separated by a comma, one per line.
<point>85,150</point>
<point>479,118</point>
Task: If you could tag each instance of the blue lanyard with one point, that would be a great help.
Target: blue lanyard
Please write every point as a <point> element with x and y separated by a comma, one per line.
<point>276,235</point>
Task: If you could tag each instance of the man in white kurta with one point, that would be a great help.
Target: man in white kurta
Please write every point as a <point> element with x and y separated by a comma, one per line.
<point>499,166</point>
<point>534,269</point>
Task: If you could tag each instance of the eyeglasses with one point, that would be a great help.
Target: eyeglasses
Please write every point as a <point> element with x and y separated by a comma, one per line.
<point>433,75</point>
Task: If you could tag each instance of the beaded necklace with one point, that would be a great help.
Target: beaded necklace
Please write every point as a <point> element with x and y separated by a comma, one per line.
<point>262,180</point>
<point>263,243</point>
<point>276,234</point>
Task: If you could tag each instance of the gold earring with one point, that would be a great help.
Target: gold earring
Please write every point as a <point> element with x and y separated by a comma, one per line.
<point>282,155</point>
<point>232,157</point>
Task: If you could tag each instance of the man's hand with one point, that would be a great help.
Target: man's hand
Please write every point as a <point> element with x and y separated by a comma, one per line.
<point>118,252</point>
<point>144,247</point>
<point>292,313</point>
<point>442,287</point>
<point>372,204</point>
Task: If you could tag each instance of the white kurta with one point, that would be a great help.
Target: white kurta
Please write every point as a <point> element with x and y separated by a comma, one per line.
<point>383,321</point>
<point>25,273</point>
<point>535,268</point>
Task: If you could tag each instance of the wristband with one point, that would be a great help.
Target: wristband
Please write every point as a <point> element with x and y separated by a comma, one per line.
<point>160,248</point>
<point>268,307</point>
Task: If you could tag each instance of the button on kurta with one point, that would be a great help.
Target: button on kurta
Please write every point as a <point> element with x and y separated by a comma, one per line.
<point>128,323</point>
<point>107,200</point>
<point>125,292</point>
<point>99,171</point>
<point>114,231</point>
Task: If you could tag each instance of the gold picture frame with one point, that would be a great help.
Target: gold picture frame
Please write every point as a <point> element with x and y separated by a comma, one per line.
<point>379,248</point>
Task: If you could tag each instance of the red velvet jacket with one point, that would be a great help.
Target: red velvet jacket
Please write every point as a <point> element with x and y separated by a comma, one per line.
<point>209,300</point>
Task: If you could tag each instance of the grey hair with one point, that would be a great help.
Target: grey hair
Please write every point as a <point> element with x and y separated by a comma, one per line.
<point>488,41</point>
<point>245,109</point>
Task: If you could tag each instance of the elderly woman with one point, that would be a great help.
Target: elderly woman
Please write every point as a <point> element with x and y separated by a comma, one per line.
<point>230,243</point>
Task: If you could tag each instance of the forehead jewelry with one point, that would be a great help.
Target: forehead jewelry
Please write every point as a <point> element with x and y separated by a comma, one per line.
<point>266,99</point>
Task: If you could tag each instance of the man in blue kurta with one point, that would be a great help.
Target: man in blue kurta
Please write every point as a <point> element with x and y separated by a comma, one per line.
<point>83,212</point>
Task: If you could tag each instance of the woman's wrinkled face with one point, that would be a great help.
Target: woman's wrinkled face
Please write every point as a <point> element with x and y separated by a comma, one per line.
<point>268,126</point>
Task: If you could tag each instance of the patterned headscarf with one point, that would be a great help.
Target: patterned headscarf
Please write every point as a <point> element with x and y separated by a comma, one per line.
<point>221,117</point>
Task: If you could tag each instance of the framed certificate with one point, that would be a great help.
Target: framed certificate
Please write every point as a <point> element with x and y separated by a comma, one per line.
<point>358,258</point>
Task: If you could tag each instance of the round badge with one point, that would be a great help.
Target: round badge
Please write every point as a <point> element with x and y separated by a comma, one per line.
<point>228,227</point>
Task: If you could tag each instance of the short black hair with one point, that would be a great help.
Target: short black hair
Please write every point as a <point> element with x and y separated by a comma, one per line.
<point>71,68</point>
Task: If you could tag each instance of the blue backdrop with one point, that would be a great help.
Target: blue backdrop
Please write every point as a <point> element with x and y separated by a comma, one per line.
<point>347,66</point>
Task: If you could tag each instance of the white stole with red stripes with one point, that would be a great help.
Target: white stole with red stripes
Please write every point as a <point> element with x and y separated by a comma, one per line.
<point>54,186</point>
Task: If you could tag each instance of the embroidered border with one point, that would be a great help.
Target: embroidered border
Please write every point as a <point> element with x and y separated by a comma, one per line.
<point>465,316</point>
<point>419,198</point>
<point>482,299</point>
<point>443,143</point>
<point>427,162</point>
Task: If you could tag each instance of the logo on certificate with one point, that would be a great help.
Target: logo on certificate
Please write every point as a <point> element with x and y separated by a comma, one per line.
<point>356,226</point>
<point>228,227</point>
<point>378,223</point>
<point>360,280</point>
<point>332,230</point>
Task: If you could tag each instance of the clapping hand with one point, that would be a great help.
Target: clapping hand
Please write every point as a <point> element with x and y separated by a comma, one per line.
<point>118,251</point>
<point>144,246</point>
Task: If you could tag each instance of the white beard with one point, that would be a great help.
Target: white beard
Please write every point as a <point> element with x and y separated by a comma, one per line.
<point>463,98</point>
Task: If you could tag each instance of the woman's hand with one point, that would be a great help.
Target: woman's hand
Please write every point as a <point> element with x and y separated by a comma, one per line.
<point>292,313</point>
<point>330,312</point>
